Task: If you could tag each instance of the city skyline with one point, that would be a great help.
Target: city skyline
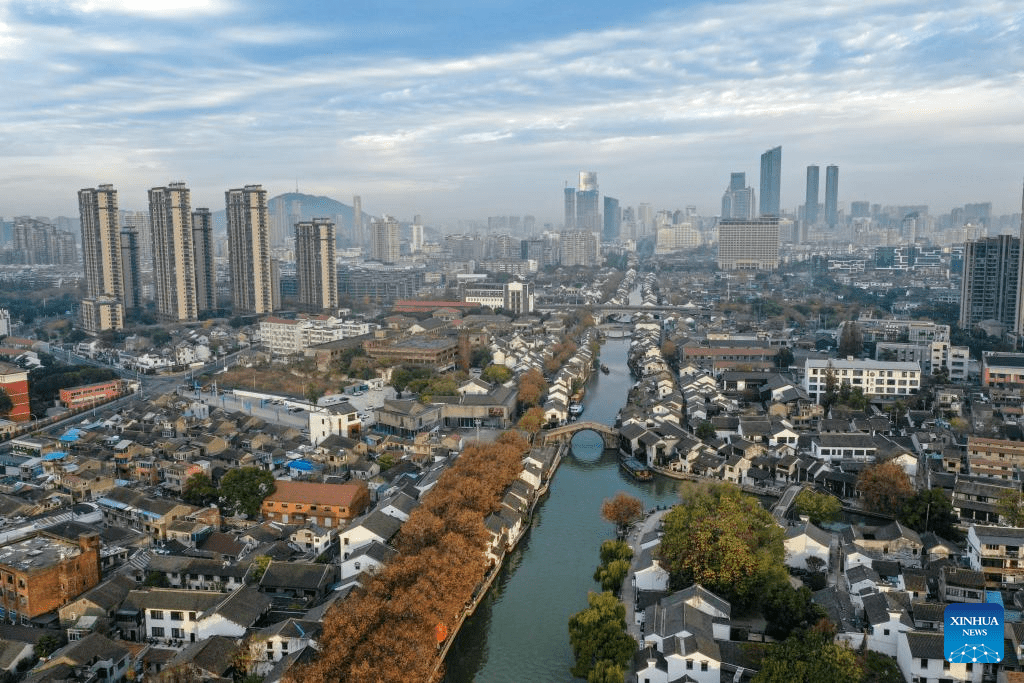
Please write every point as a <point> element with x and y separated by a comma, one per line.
<point>493,106</point>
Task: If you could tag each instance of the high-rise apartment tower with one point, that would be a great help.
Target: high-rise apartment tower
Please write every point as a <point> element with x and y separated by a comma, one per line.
<point>252,289</point>
<point>315,265</point>
<point>174,275</point>
<point>103,307</point>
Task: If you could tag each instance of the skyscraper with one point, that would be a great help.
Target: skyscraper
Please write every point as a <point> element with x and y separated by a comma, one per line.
<point>252,288</point>
<point>771,181</point>
<point>384,239</point>
<point>811,201</point>
<point>832,196</point>
<point>1019,326</point>
<point>206,275</point>
<point>990,288</point>
<point>579,248</point>
<point>612,219</point>
<point>130,269</point>
<point>174,275</point>
<point>738,199</point>
<point>315,265</point>
<point>570,208</point>
<point>749,244</point>
<point>357,222</point>
<point>416,236</point>
<point>587,202</point>
<point>103,307</point>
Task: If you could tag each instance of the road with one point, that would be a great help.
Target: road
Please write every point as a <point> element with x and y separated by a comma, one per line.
<point>636,534</point>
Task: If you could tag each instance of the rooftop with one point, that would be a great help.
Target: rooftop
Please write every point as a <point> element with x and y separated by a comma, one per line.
<point>36,553</point>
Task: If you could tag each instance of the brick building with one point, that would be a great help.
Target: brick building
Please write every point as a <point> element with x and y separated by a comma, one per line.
<point>14,382</point>
<point>440,352</point>
<point>91,394</point>
<point>994,458</point>
<point>42,573</point>
<point>327,505</point>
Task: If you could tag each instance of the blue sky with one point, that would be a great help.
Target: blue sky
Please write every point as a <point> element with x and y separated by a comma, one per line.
<point>457,109</point>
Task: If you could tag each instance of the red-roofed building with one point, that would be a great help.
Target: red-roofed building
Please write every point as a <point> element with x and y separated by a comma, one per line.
<point>417,306</point>
<point>329,505</point>
<point>14,382</point>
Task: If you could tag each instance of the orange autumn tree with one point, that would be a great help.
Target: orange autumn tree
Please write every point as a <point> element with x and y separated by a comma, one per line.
<point>387,631</point>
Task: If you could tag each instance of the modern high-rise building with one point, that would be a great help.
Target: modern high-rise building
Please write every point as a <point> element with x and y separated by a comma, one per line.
<point>860,209</point>
<point>612,219</point>
<point>315,265</point>
<point>357,222</point>
<point>588,214</point>
<point>103,306</point>
<point>206,274</point>
<point>1018,327</point>
<point>139,222</point>
<point>738,199</point>
<point>384,245</point>
<point>416,236</point>
<point>749,244</point>
<point>174,274</point>
<point>570,208</point>
<point>811,201</point>
<point>130,269</point>
<point>579,248</point>
<point>832,196</point>
<point>771,182</point>
<point>252,286</point>
<point>991,282</point>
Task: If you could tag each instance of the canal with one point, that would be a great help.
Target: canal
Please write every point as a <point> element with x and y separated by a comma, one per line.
<point>520,630</point>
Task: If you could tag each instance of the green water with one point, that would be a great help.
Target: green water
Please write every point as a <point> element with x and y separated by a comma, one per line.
<point>519,633</point>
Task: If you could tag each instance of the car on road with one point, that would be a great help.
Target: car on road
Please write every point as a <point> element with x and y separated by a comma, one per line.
<point>295,409</point>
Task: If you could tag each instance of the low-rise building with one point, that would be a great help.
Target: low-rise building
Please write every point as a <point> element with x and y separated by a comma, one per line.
<point>995,551</point>
<point>877,379</point>
<point>41,573</point>
<point>328,505</point>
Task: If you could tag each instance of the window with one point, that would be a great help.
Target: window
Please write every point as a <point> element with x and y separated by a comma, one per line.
<point>158,631</point>
<point>689,664</point>
<point>703,666</point>
<point>176,616</point>
<point>177,633</point>
<point>924,663</point>
<point>192,616</point>
<point>156,614</point>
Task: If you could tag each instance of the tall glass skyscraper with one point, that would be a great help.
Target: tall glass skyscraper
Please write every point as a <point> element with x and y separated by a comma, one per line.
<point>612,219</point>
<point>832,196</point>
<point>771,181</point>
<point>811,202</point>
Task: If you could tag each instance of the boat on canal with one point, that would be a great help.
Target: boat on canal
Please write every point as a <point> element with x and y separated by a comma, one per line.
<point>636,469</point>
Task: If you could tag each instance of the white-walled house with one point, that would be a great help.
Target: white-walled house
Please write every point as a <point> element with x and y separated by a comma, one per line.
<point>921,659</point>
<point>803,542</point>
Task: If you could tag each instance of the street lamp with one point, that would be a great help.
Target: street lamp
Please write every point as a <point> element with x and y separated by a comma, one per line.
<point>478,422</point>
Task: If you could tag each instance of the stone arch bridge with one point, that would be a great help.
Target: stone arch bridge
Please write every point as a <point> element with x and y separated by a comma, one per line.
<point>566,432</point>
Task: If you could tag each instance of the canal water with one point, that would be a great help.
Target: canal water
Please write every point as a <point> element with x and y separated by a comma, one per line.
<point>520,630</point>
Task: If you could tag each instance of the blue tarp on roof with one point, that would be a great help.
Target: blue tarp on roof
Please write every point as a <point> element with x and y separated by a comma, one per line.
<point>71,435</point>
<point>301,465</point>
<point>55,455</point>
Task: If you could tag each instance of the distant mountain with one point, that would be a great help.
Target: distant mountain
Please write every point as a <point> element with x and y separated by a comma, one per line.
<point>297,206</point>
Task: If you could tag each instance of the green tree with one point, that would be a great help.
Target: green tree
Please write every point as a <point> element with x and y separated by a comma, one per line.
<point>611,575</point>
<point>386,461</point>
<point>199,490</point>
<point>612,550</point>
<point>258,567</point>
<point>784,358</point>
<point>819,507</point>
<point>496,374</point>
<point>599,633</point>
<point>884,486</point>
<point>314,393</point>
<point>47,645</point>
<point>480,357</point>
<point>606,671</point>
<point>809,656</point>
<point>156,579</point>
<point>242,490</point>
<point>6,404</point>
<point>788,609</point>
<point>931,510</point>
<point>705,430</point>
<point>1010,506</point>
<point>877,668</point>
<point>725,541</point>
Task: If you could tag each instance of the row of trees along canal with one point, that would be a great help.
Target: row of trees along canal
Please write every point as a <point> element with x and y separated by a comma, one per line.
<point>725,541</point>
<point>390,630</point>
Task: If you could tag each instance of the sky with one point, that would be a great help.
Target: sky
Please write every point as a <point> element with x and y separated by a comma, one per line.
<point>460,110</point>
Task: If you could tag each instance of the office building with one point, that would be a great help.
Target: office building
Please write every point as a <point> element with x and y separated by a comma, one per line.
<point>876,378</point>
<point>252,277</point>
<point>811,201</point>
<point>384,245</point>
<point>738,201</point>
<point>103,308</point>
<point>748,244</point>
<point>771,182</point>
<point>206,274</point>
<point>587,202</point>
<point>612,219</point>
<point>130,269</point>
<point>832,195</point>
<point>315,265</point>
<point>174,277</point>
<point>570,208</point>
<point>990,286</point>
